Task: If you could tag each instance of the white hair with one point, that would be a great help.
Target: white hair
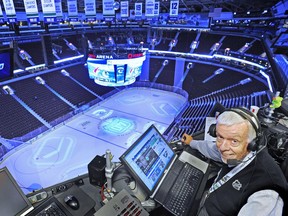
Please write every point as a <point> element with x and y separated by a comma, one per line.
<point>231,118</point>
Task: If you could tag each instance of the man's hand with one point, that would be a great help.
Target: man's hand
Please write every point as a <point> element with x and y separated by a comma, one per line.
<point>186,139</point>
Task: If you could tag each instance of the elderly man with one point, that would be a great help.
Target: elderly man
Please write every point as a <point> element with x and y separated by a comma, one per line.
<point>249,182</point>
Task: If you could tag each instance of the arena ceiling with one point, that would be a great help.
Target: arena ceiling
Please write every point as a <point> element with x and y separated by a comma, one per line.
<point>238,6</point>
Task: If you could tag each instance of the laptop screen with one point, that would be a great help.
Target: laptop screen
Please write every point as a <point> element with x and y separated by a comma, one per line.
<point>148,158</point>
<point>12,200</point>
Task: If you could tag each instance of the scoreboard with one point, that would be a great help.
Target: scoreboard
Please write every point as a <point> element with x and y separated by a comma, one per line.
<point>110,70</point>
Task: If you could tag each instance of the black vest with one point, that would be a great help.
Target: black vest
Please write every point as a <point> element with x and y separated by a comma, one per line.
<point>261,173</point>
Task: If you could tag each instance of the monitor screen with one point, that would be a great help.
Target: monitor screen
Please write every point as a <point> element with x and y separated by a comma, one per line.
<point>12,199</point>
<point>115,72</point>
<point>6,64</point>
<point>148,158</point>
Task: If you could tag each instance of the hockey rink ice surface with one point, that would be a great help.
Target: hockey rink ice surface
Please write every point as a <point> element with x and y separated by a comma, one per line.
<point>115,123</point>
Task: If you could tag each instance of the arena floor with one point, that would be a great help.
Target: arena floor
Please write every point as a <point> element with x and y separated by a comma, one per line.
<point>113,124</point>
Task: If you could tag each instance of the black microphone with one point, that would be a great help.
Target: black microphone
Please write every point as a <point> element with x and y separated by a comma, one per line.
<point>234,162</point>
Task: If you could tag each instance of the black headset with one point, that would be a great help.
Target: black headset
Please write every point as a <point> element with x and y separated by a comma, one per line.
<point>247,115</point>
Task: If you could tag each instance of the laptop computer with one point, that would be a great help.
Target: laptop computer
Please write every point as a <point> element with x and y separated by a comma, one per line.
<point>156,167</point>
<point>13,201</point>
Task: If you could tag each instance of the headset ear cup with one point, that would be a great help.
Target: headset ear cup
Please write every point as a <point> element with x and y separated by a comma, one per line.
<point>256,144</point>
<point>212,130</point>
<point>252,146</point>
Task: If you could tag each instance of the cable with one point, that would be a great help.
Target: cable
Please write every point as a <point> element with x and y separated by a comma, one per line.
<point>120,173</point>
<point>134,186</point>
<point>105,194</point>
<point>102,193</point>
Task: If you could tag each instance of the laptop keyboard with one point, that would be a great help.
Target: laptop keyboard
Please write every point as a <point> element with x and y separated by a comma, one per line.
<point>183,191</point>
<point>51,209</point>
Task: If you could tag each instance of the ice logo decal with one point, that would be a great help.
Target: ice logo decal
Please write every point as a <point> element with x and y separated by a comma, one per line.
<point>117,126</point>
<point>54,151</point>
<point>1,66</point>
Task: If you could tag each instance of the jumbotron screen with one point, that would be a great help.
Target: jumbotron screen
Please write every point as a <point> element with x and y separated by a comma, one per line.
<point>107,71</point>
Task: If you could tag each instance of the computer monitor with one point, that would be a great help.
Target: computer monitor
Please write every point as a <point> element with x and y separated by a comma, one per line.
<point>6,63</point>
<point>148,159</point>
<point>12,199</point>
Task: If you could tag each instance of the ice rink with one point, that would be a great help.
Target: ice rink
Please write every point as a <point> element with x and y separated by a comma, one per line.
<point>115,123</point>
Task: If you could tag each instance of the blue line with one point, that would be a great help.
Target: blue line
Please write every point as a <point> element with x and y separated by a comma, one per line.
<point>135,115</point>
<point>95,137</point>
